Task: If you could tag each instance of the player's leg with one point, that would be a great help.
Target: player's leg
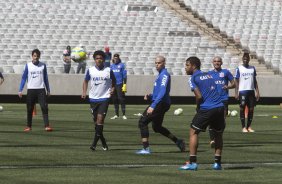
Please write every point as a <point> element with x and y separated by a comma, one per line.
<point>121,99</point>
<point>157,125</point>
<point>99,111</point>
<point>251,104</point>
<point>42,100</point>
<point>78,68</point>
<point>218,126</point>
<point>83,66</point>
<point>115,102</point>
<point>211,132</point>
<point>144,120</point>
<point>199,123</point>
<point>30,102</point>
<point>242,100</point>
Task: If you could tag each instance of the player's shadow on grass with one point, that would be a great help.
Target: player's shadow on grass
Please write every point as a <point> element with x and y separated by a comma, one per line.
<point>242,145</point>
<point>238,167</point>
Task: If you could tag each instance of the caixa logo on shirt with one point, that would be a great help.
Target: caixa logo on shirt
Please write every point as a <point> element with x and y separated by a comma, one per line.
<point>204,77</point>
<point>99,78</point>
<point>164,80</point>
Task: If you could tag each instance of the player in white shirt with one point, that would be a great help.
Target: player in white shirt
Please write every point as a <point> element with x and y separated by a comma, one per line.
<point>102,82</point>
<point>246,91</point>
<point>35,73</point>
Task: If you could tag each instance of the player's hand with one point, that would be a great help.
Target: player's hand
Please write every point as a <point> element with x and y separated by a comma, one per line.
<point>112,90</point>
<point>257,97</point>
<point>20,94</point>
<point>146,97</point>
<point>236,97</point>
<point>124,89</point>
<point>150,110</point>
<point>225,87</point>
<point>48,94</point>
<point>83,96</point>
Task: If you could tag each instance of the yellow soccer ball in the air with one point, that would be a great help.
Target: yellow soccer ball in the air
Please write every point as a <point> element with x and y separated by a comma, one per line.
<point>78,54</point>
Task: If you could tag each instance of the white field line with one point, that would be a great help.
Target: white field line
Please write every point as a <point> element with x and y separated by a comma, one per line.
<point>226,165</point>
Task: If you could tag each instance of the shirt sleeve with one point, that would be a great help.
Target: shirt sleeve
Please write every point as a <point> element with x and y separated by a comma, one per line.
<point>46,81</point>
<point>24,78</point>
<point>229,76</point>
<point>87,75</point>
<point>192,83</point>
<point>164,80</point>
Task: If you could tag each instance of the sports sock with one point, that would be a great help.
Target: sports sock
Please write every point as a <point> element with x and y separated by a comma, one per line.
<point>242,118</point>
<point>217,159</point>
<point>145,144</point>
<point>193,159</point>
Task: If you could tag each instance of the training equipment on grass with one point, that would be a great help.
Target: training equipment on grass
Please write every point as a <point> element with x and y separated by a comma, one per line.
<point>78,54</point>
<point>178,111</point>
<point>234,113</point>
<point>1,108</point>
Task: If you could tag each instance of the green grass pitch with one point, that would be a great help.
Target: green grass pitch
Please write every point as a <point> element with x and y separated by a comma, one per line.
<point>63,156</point>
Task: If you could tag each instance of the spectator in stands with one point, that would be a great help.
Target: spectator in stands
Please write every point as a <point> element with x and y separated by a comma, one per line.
<point>108,56</point>
<point>102,85</point>
<point>119,71</point>
<point>210,112</point>
<point>67,59</point>
<point>246,91</point>
<point>1,78</point>
<point>35,73</point>
<point>222,77</point>
<point>160,104</point>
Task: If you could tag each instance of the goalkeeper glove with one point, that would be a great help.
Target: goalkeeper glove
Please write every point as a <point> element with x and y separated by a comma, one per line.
<point>124,88</point>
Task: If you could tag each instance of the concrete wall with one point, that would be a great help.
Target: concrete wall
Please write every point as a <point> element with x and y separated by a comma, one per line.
<point>71,84</point>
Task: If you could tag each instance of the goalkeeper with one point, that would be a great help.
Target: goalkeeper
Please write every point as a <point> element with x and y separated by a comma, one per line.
<point>119,71</point>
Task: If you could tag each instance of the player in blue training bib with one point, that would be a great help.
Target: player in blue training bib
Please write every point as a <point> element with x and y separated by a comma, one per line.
<point>210,112</point>
<point>222,79</point>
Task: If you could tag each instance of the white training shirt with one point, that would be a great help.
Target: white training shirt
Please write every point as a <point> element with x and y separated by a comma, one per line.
<point>246,77</point>
<point>100,83</point>
<point>36,76</point>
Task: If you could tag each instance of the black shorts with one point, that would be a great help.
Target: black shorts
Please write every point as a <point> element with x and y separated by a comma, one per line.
<point>99,108</point>
<point>248,99</point>
<point>157,116</point>
<point>212,117</point>
<point>225,103</point>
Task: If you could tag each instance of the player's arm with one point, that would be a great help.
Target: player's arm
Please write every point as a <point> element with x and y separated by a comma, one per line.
<point>24,78</point>
<point>85,84</point>
<point>46,81</point>
<point>124,74</point>
<point>257,89</point>
<point>112,75</point>
<point>198,97</point>
<point>231,80</point>
<point>162,90</point>
<point>1,78</point>
<point>237,84</point>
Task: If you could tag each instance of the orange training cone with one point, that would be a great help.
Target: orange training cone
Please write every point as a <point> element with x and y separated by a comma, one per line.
<point>34,111</point>
<point>246,111</point>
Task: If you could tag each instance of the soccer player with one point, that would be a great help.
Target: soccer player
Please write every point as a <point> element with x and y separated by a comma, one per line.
<point>102,82</point>
<point>108,56</point>
<point>246,84</point>
<point>160,104</point>
<point>222,77</point>
<point>1,78</point>
<point>120,89</point>
<point>210,112</point>
<point>35,73</point>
